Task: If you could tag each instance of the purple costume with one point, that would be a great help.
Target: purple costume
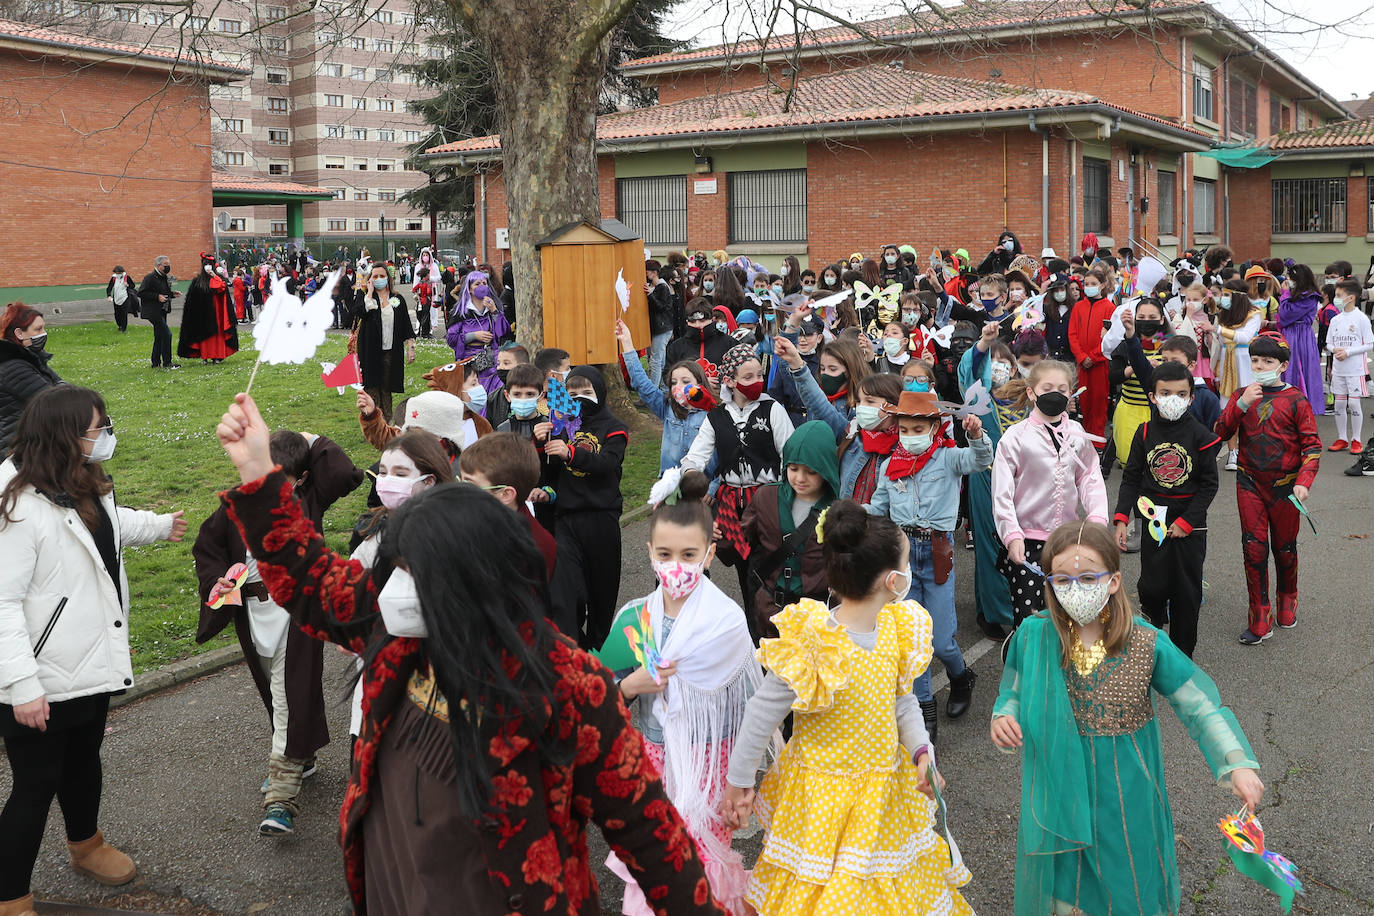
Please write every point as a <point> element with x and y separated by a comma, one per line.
<point>470,321</point>
<point>1296,315</point>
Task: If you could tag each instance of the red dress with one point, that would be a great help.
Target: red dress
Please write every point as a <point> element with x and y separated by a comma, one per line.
<point>217,346</point>
<point>239,293</point>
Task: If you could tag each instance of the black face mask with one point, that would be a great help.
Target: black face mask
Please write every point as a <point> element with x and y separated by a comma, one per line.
<point>1052,403</point>
<point>1149,328</point>
<point>167,269</point>
<point>501,374</point>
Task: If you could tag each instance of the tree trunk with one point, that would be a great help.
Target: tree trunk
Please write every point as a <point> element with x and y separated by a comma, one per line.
<point>550,59</point>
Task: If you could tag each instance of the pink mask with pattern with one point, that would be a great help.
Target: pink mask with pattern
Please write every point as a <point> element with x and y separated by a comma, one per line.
<point>677,578</point>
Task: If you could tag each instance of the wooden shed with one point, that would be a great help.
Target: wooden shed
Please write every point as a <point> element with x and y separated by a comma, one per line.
<point>579,264</point>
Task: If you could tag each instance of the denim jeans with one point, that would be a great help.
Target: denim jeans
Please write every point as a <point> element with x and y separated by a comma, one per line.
<point>939,601</point>
<point>658,350</point>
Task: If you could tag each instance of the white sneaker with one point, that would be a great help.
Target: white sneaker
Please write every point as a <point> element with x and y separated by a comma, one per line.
<point>1231,460</point>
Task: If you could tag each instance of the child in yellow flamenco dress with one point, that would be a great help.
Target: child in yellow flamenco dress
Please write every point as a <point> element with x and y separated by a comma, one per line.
<point>846,807</point>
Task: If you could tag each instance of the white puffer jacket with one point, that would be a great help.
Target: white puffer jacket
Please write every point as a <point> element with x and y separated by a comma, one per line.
<point>64,632</point>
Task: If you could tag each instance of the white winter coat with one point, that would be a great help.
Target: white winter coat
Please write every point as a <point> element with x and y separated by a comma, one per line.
<point>55,591</point>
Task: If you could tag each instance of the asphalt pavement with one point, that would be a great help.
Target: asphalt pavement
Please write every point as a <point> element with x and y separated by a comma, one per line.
<point>183,767</point>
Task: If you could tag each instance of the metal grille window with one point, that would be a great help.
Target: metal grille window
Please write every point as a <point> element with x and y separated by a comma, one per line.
<point>338,225</point>
<point>1164,203</point>
<point>1242,107</point>
<point>1202,91</point>
<point>768,206</point>
<point>1097,211</point>
<point>655,207</point>
<point>1204,206</point>
<point>1309,204</point>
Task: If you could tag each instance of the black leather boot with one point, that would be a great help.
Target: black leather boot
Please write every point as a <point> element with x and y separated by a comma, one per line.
<point>929,713</point>
<point>960,694</point>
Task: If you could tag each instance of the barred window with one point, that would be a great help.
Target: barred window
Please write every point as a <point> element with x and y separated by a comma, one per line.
<point>1202,90</point>
<point>1097,211</point>
<point>655,207</point>
<point>1164,203</point>
<point>768,206</point>
<point>1308,204</point>
<point>337,225</point>
<point>1204,206</point>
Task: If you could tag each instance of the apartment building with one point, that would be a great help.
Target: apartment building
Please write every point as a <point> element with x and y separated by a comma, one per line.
<point>326,105</point>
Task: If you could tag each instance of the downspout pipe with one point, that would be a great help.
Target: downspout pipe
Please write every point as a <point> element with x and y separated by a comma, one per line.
<point>1044,133</point>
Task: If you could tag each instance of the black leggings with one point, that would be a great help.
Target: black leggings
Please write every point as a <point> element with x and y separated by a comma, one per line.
<point>64,764</point>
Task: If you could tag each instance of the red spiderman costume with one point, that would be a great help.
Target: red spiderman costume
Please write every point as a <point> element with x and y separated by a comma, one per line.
<point>1279,448</point>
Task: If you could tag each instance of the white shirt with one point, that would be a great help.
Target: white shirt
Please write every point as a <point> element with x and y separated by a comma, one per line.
<point>1349,330</point>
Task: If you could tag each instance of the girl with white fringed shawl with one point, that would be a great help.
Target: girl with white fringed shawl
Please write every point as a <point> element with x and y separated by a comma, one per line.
<point>691,714</point>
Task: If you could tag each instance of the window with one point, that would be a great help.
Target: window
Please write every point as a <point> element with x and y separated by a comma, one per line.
<point>274,44</point>
<point>383,45</point>
<point>276,13</point>
<point>405,78</point>
<point>1276,107</point>
<point>333,162</point>
<point>1164,203</point>
<point>1204,206</point>
<point>1242,102</point>
<point>158,17</point>
<point>360,103</point>
<point>276,77</point>
<point>654,207</point>
<point>1309,205</point>
<point>233,158</point>
<point>1202,91</point>
<point>221,91</point>
<point>1285,118</point>
<point>360,165</point>
<point>360,225</point>
<point>231,26</point>
<point>231,125</point>
<point>407,19</point>
<point>435,53</point>
<point>279,227</point>
<point>358,73</point>
<point>388,224</point>
<point>1097,211</point>
<point>386,195</point>
<point>360,194</point>
<point>278,136</point>
<point>360,133</point>
<point>386,104</point>
<point>327,38</point>
<point>412,136</point>
<point>124,14</point>
<point>337,225</point>
<point>333,132</point>
<point>275,104</point>
<point>198,23</point>
<point>357,44</point>
<point>339,193</point>
<point>383,76</point>
<point>331,70</point>
<point>238,225</point>
<point>385,17</point>
<point>414,225</point>
<point>386,135</point>
<point>278,168</point>
<point>333,101</point>
<point>384,165</point>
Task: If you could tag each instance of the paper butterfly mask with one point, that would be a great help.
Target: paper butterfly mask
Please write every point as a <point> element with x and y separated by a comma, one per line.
<point>977,402</point>
<point>1252,859</point>
<point>622,291</point>
<point>219,597</point>
<point>887,300</point>
<point>944,336</point>
<point>289,331</point>
<point>1031,312</point>
<point>1155,516</point>
<point>640,636</point>
<point>565,412</point>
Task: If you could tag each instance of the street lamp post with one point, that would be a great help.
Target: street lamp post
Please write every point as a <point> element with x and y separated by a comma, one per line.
<point>383,224</point>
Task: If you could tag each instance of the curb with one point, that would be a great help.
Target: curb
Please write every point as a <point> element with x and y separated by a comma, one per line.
<point>639,512</point>
<point>179,672</point>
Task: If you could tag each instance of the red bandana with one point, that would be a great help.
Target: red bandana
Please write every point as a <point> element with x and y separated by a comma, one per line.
<point>904,464</point>
<point>880,441</point>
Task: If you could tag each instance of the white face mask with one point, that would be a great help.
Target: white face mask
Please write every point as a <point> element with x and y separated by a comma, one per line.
<point>103,449</point>
<point>1060,295</point>
<point>1091,291</point>
<point>1008,245</point>
<point>1083,603</point>
<point>905,576</point>
<point>477,398</point>
<point>869,417</point>
<point>894,346</point>
<point>916,445</point>
<point>1268,379</point>
<point>1001,374</point>
<point>783,272</point>
<point>891,260</point>
<point>1017,295</point>
<point>393,490</point>
<point>400,607</point>
<point>1172,406</point>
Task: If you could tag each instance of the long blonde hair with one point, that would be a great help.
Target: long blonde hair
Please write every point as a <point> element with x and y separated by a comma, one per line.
<point>1117,629</point>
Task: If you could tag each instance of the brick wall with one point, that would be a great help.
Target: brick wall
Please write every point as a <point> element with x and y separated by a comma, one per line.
<point>61,227</point>
<point>1251,212</point>
<point>498,216</point>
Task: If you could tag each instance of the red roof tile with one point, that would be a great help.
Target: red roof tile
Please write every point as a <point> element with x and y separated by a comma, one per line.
<point>864,94</point>
<point>225,181</point>
<point>53,38</point>
<point>1359,132</point>
<point>971,18</point>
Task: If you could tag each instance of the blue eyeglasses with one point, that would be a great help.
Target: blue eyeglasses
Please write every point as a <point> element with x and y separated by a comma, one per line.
<point>1086,579</point>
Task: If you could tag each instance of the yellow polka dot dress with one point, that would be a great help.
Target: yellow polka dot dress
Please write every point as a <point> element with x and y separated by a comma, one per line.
<point>848,831</point>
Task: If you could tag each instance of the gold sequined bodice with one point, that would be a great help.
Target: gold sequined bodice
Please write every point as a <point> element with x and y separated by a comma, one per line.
<point>1113,698</point>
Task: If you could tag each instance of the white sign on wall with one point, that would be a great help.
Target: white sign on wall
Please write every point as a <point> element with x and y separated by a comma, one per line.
<point>704,186</point>
<point>503,239</point>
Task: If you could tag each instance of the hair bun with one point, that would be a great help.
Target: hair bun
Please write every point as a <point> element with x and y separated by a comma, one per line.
<point>845,524</point>
<point>693,486</point>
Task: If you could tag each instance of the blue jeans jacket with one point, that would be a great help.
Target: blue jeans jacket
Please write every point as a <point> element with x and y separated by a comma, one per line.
<point>678,432</point>
<point>930,497</point>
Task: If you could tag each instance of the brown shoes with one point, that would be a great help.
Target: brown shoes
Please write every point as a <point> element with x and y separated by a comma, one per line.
<point>21,907</point>
<point>101,861</point>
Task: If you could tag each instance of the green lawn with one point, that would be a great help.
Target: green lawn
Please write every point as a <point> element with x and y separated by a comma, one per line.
<point>168,457</point>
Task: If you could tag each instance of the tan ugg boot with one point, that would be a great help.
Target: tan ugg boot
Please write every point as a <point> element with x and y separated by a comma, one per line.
<point>101,861</point>
<point>21,907</point>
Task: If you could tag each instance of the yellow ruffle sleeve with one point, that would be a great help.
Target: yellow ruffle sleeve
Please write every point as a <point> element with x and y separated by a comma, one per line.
<point>812,654</point>
<point>911,623</point>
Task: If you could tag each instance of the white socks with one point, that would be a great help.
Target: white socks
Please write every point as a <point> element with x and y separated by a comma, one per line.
<point>1341,418</point>
<point>1356,418</point>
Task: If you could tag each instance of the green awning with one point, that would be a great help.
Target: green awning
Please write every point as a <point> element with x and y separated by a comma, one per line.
<point>1241,157</point>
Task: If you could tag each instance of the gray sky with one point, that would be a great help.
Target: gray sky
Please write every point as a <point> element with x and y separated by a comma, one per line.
<point>1330,41</point>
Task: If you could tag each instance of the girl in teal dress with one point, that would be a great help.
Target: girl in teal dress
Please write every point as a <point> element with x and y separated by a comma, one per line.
<point>1002,371</point>
<point>1096,835</point>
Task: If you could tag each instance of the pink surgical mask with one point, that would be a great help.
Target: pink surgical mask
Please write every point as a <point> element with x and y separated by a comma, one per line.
<point>393,490</point>
<point>677,578</point>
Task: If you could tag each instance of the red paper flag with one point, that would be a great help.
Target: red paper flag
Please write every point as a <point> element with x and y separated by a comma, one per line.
<point>345,373</point>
